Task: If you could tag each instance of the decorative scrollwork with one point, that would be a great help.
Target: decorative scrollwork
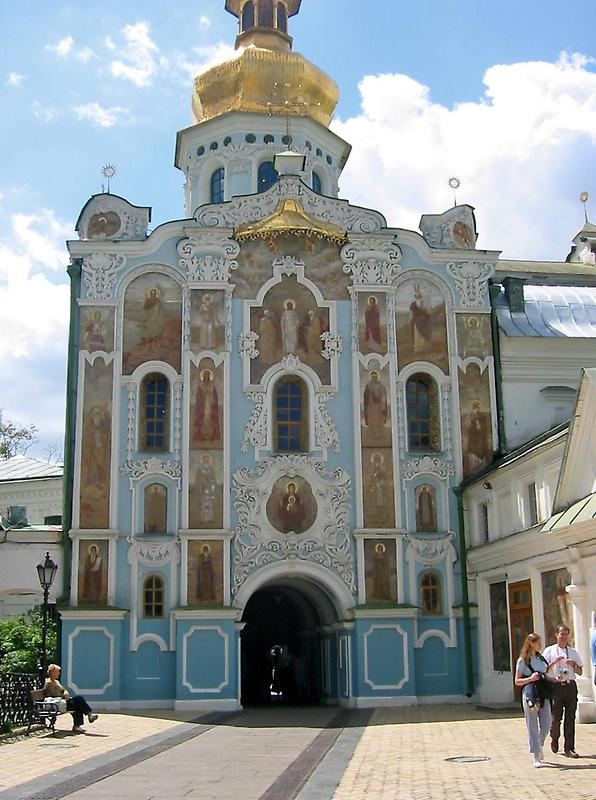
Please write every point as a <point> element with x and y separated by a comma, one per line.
<point>432,465</point>
<point>153,553</point>
<point>430,551</point>
<point>247,344</point>
<point>255,431</point>
<point>100,271</point>
<point>372,260</point>
<point>332,345</point>
<point>257,543</point>
<point>471,281</point>
<point>207,257</point>
<point>151,466</point>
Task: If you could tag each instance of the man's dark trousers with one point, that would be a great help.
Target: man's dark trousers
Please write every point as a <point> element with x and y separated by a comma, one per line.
<point>564,707</point>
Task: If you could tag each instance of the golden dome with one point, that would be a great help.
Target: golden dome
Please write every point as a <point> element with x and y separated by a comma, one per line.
<point>290,219</point>
<point>265,76</point>
<point>265,81</point>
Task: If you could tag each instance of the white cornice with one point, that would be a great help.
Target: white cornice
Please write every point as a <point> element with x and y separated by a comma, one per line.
<point>92,614</point>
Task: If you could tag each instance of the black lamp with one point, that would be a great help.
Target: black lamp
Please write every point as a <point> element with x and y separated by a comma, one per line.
<point>46,573</point>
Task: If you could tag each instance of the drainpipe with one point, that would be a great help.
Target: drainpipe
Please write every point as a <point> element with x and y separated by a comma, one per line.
<point>494,292</point>
<point>459,493</point>
<point>74,272</point>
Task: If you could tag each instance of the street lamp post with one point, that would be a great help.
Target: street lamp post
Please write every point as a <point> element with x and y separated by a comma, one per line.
<point>46,573</point>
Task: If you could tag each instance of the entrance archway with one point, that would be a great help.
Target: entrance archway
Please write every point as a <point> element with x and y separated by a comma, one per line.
<point>292,615</point>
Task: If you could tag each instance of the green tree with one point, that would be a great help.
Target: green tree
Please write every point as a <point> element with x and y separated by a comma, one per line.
<point>15,439</point>
<point>20,642</point>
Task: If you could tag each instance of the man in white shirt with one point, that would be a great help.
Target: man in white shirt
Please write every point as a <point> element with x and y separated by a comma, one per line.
<point>568,665</point>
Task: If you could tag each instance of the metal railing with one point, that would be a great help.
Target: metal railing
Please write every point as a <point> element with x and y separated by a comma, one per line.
<point>14,699</point>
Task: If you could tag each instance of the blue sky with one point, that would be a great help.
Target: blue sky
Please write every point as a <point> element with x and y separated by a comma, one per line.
<point>502,94</point>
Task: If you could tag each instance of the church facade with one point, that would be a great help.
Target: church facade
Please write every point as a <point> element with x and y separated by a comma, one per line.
<point>271,402</point>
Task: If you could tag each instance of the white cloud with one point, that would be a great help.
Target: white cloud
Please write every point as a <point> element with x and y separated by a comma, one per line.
<point>138,62</point>
<point>99,116</point>
<point>523,151</point>
<point>14,79</point>
<point>84,54</point>
<point>35,313</point>
<point>109,43</point>
<point>45,113</point>
<point>63,47</point>
<point>208,56</point>
<point>204,22</point>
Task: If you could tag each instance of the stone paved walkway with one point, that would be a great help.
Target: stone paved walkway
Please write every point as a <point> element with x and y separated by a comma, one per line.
<point>402,752</point>
<point>302,753</point>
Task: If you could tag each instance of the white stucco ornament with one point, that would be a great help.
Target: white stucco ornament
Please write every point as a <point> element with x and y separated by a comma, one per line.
<point>327,542</point>
<point>208,257</point>
<point>372,260</point>
<point>471,282</point>
<point>100,272</point>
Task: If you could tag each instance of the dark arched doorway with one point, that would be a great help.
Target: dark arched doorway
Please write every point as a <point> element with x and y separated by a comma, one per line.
<point>284,616</point>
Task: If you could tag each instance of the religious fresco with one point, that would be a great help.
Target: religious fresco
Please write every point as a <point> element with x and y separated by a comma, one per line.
<point>474,335</point>
<point>205,572</point>
<point>207,321</point>
<point>93,572</point>
<point>372,323</point>
<point>155,505</point>
<point>380,570</point>
<point>425,497</point>
<point>289,322</point>
<point>97,329</point>
<point>152,322</point>
<point>291,506</point>
<point>499,622</point>
<point>476,426</point>
<point>96,445</point>
<point>375,408</point>
<point>377,474</point>
<point>556,603</point>
<point>206,406</point>
<point>206,490</point>
<point>421,325</point>
<point>323,265</point>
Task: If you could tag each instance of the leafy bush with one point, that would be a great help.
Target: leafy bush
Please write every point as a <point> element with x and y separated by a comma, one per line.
<point>20,642</point>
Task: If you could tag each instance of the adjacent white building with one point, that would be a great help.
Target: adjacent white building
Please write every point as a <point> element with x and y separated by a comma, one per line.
<point>31,526</point>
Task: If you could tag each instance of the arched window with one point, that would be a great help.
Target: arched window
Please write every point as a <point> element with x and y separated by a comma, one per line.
<point>248,15</point>
<point>153,596</point>
<point>316,183</point>
<point>267,176</point>
<point>155,417</point>
<point>290,416</point>
<point>431,601</point>
<point>266,14</point>
<point>155,517</point>
<point>282,18</point>
<point>217,185</point>
<point>422,402</point>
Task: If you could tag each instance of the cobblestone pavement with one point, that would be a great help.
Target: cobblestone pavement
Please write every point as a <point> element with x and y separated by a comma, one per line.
<point>42,754</point>
<point>304,753</point>
<point>401,755</point>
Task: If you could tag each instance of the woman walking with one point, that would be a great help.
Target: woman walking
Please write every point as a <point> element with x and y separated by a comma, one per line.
<point>531,665</point>
<point>77,705</point>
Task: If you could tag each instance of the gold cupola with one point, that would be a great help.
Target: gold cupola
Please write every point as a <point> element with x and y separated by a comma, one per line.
<point>265,76</point>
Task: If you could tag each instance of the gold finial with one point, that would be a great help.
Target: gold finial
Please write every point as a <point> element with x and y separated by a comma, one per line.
<point>263,23</point>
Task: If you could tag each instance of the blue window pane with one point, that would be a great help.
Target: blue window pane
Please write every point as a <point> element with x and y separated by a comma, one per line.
<point>282,414</point>
<point>267,176</point>
<point>316,183</point>
<point>217,186</point>
<point>295,415</point>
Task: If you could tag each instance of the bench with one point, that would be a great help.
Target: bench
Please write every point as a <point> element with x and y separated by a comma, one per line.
<point>41,712</point>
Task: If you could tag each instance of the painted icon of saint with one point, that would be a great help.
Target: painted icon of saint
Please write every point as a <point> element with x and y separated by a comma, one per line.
<point>290,325</point>
<point>290,512</point>
<point>206,490</point>
<point>93,575</point>
<point>206,426</point>
<point>375,402</point>
<point>205,575</point>
<point>426,513</point>
<point>381,587</point>
<point>372,325</point>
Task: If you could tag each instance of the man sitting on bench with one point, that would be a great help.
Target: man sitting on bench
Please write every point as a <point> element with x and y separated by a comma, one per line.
<point>77,705</point>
